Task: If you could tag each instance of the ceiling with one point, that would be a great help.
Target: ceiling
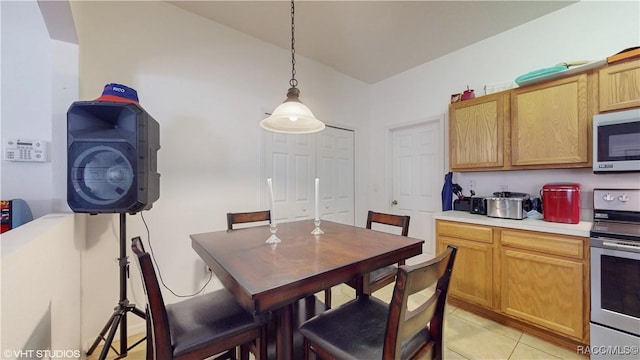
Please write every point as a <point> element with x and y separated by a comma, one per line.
<point>373,40</point>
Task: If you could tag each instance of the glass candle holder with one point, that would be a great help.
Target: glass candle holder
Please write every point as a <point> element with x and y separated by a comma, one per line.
<point>273,239</point>
<point>317,230</point>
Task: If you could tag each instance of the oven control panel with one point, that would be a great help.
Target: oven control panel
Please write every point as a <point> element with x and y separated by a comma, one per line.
<point>616,199</point>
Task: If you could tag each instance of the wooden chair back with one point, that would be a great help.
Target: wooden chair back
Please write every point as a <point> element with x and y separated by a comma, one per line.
<point>401,221</point>
<point>247,217</point>
<point>404,324</point>
<point>159,337</point>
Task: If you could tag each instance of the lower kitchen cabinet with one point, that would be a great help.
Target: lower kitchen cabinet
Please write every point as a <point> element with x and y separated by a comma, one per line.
<point>473,278</point>
<point>544,280</point>
<point>543,290</point>
<point>535,281</point>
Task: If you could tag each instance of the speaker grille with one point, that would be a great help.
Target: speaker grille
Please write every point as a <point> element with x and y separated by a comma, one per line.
<point>102,175</point>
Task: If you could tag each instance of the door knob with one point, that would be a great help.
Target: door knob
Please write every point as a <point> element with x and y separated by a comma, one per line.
<point>394,202</point>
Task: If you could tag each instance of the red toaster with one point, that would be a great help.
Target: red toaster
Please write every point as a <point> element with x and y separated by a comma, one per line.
<point>561,203</point>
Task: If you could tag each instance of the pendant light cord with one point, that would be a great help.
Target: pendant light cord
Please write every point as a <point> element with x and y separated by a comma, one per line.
<point>293,82</point>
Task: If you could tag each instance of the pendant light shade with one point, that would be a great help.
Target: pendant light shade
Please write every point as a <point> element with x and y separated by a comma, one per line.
<point>292,116</point>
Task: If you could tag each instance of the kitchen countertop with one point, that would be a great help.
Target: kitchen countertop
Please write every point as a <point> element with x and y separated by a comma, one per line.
<point>580,229</point>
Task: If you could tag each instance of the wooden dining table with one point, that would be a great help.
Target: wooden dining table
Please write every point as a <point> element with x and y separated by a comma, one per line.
<point>270,278</point>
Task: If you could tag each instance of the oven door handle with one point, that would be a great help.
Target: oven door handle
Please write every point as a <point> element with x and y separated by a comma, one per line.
<point>613,245</point>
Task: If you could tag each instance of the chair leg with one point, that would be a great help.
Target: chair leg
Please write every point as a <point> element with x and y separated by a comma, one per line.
<point>244,352</point>
<point>306,349</point>
<point>327,298</point>
<point>150,343</point>
<point>259,345</point>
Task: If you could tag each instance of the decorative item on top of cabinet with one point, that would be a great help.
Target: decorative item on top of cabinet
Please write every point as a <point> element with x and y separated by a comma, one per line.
<point>468,94</point>
<point>477,132</point>
<point>550,124</point>
<point>620,85</point>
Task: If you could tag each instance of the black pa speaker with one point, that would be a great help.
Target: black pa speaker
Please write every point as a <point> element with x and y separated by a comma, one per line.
<point>111,157</point>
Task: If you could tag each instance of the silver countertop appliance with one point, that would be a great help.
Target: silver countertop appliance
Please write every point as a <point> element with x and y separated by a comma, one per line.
<point>508,205</point>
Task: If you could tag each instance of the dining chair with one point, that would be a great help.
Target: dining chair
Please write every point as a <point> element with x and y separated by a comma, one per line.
<point>410,327</point>
<point>382,277</point>
<point>199,327</point>
<point>247,217</point>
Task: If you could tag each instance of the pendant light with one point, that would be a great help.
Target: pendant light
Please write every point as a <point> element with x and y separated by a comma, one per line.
<point>292,116</point>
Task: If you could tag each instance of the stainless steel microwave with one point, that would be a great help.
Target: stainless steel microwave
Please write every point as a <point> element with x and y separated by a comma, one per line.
<point>616,141</point>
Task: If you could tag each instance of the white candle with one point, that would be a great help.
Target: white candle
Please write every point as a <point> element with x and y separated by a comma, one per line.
<point>271,201</point>
<point>317,199</point>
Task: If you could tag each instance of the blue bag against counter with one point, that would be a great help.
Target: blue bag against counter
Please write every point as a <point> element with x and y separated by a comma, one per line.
<point>447,192</point>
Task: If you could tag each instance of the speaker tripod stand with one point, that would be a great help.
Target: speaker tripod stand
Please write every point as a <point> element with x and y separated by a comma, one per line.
<point>119,316</point>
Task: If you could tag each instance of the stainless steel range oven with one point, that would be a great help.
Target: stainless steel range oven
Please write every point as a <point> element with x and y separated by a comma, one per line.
<point>615,274</point>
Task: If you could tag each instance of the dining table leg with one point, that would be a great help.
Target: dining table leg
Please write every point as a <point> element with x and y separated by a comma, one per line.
<point>284,333</point>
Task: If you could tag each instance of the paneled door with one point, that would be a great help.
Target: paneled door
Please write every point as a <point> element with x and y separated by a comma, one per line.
<point>290,160</point>
<point>417,158</point>
<point>335,169</point>
<point>294,161</point>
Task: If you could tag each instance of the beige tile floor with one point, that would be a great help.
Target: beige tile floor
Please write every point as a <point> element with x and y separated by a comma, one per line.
<point>467,336</point>
<point>137,353</point>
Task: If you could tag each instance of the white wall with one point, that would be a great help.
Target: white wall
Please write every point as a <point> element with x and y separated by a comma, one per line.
<point>39,82</point>
<point>580,31</point>
<point>41,295</point>
<point>207,86</point>
<point>26,101</point>
<point>64,91</point>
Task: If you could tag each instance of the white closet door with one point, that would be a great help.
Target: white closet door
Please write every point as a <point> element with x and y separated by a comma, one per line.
<point>336,174</point>
<point>290,160</point>
<point>294,161</point>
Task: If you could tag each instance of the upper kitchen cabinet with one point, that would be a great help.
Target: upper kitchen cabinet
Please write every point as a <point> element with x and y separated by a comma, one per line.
<point>620,86</point>
<point>550,124</point>
<point>477,133</point>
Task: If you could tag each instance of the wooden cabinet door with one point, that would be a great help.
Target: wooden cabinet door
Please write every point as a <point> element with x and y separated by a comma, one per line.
<point>543,290</point>
<point>476,133</point>
<point>550,124</point>
<point>620,86</point>
<point>472,277</point>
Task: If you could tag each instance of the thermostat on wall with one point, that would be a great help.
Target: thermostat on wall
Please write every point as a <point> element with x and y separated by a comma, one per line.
<point>25,150</point>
